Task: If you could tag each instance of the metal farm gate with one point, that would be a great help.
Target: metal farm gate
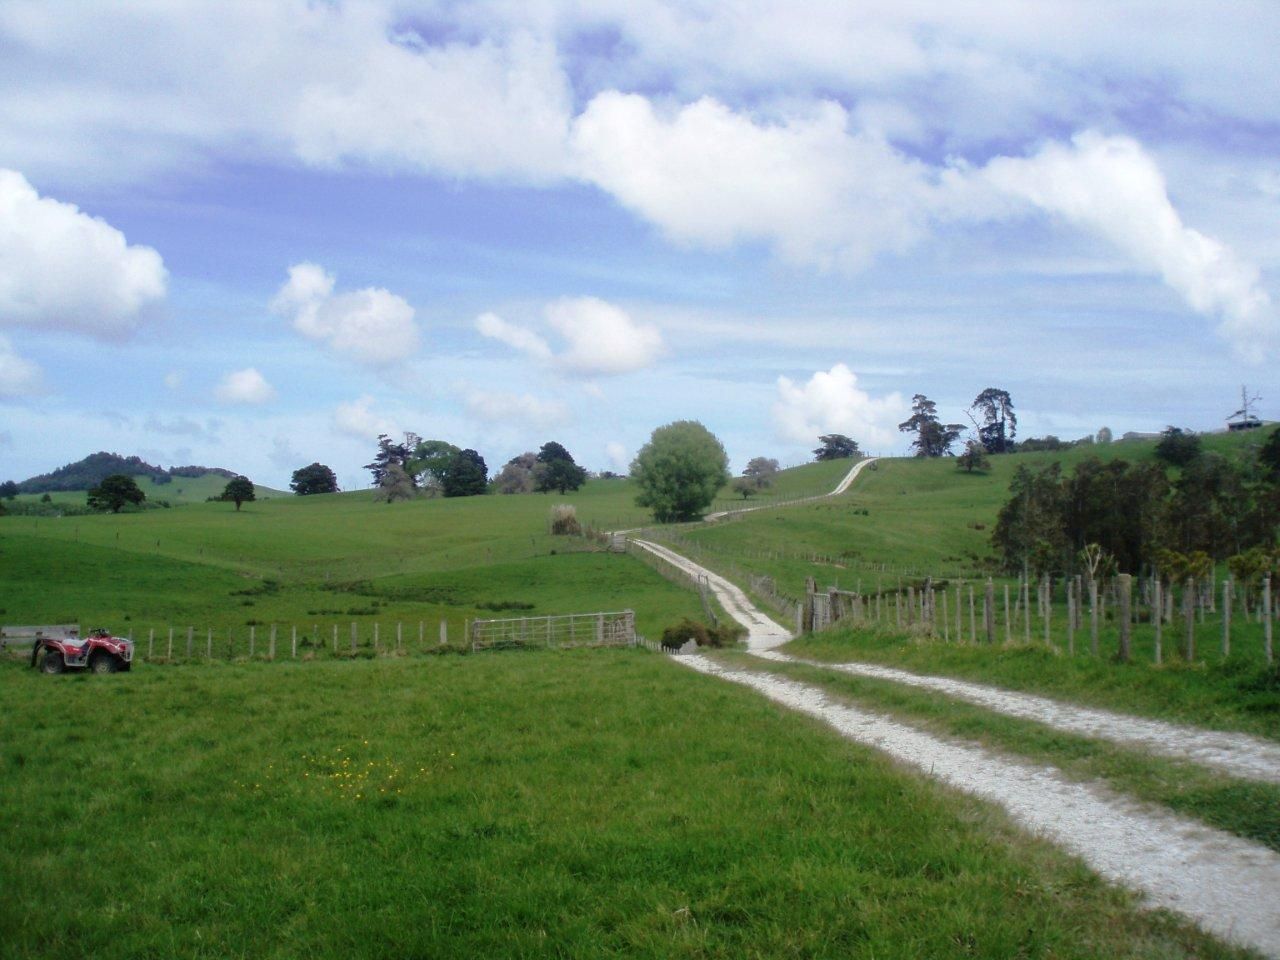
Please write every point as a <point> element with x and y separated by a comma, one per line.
<point>567,630</point>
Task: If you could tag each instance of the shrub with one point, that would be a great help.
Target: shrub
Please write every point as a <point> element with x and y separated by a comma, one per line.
<point>722,635</point>
<point>564,521</point>
<point>675,636</point>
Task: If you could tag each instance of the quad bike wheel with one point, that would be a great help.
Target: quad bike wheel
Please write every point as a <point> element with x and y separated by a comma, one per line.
<point>103,663</point>
<point>52,662</point>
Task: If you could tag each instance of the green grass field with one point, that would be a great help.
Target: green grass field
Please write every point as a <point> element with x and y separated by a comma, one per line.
<point>579,804</point>
<point>181,490</point>
<point>315,562</point>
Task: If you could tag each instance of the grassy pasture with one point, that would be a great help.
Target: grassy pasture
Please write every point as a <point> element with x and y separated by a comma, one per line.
<point>182,490</point>
<point>583,804</point>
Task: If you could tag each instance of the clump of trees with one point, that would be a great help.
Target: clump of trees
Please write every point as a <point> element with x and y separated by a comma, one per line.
<point>556,470</point>
<point>933,437</point>
<point>679,471</point>
<point>312,479</point>
<point>757,476</point>
<point>1138,513</point>
<point>114,493</point>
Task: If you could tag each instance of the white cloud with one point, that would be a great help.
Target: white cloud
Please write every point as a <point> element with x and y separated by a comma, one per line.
<point>831,402</point>
<point>526,341</point>
<point>619,458</point>
<point>62,269</point>
<point>174,379</point>
<point>246,386</point>
<point>802,182</point>
<point>357,419</point>
<point>19,377</point>
<point>602,339</point>
<point>507,408</point>
<point>1110,187</point>
<point>599,338</point>
<point>372,326</point>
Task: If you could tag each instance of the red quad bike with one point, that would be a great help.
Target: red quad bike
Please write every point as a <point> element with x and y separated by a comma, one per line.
<point>99,652</point>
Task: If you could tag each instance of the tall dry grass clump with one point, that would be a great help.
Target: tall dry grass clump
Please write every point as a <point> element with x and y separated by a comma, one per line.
<point>564,520</point>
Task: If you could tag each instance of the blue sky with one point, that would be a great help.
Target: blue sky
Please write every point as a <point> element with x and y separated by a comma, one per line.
<point>254,235</point>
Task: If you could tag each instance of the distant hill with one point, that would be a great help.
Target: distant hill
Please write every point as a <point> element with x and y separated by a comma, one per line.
<point>96,467</point>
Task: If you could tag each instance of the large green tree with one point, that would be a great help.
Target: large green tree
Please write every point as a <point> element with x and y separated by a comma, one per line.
<point>933,438</point>
<point>1178,447</point>
<point>114,492</point>
<point>313,478</point>
<point>239,489</point>
<point>836,446</point>
<point>679,471</point>
<point>430,462</point>
<point>466,475</point>
<point>999,422</point>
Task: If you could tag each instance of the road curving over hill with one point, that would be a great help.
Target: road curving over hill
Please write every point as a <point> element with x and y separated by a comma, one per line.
<point>1223,883</point>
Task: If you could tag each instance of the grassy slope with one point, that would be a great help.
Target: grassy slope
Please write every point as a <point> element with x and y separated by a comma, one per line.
<point>325,559</point>
<point>587,804</point>
<point>182,490</point>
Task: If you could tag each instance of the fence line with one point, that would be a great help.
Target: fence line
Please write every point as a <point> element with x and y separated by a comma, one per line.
<point>1190,607</point>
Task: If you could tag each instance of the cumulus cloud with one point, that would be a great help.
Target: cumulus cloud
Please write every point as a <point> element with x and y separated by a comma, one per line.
<point>358,419</point>
<point>597,337</point>
<point>247,387</point>
<point>62,269</point>
<point>1110,187</point>
<point>19,377</point>
<point>619,458</point>
<point>803,182</point>
<point>372,326</point>
<point>518,338</point>
<point>505,408</point>
<point>831,402</point>
<point>601,338</point>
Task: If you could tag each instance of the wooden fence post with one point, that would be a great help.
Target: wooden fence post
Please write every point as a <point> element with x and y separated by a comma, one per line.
<point>1009,635</point>
<point>293,641</point>
<point>1071,617</point>
<point>170,654</point>
<point>1126,598</point>
<point>946,619</point>
<point>1046,592</point>
<point>1026,609</point>
<point>375,635</point>
<point>1093,616</point>
<point>1157,616</point>
<point>989,610</point>
<point>191,639</point>
<point>271,644</point>
<point>444,632</point>
<point>253,639</point>
<point>208,644</point>
<point>354,636</point>
<point>1226,617</point>
<point>335,639</point>
<point>1266,618</point>
<point>151,643</point>
<point>973,618</point>
<point>399,636</point>
<point>1189,616</point>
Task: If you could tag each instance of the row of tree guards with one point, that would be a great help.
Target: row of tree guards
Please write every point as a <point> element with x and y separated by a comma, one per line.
<point>972,612</point>
<point>277,640</point>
